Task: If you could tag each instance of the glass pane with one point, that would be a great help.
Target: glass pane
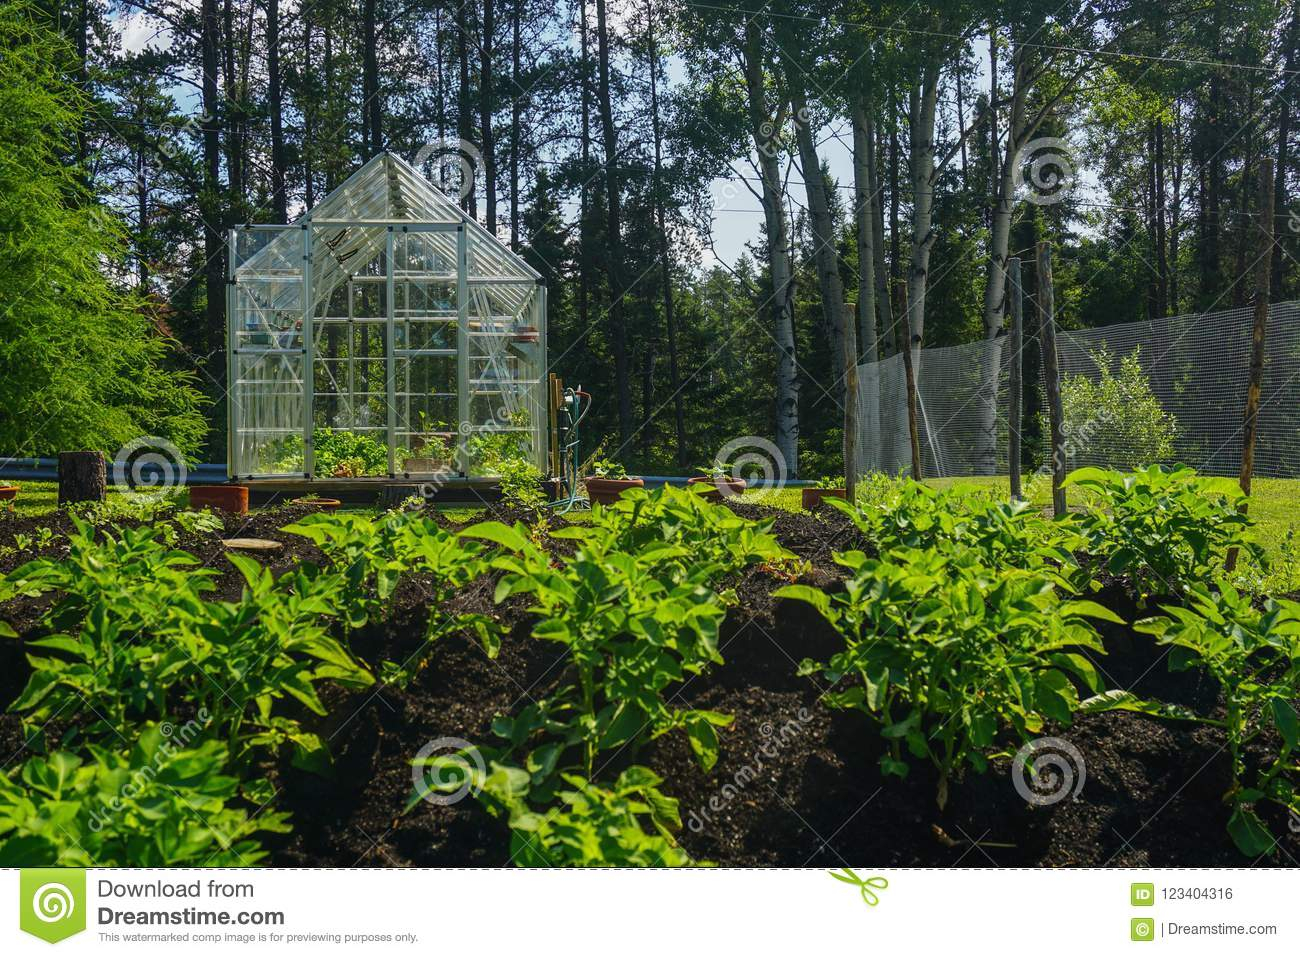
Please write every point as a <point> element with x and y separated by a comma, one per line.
<point>268,407</point>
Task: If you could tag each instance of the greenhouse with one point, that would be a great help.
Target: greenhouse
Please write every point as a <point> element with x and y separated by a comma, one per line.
<point>384,335</point>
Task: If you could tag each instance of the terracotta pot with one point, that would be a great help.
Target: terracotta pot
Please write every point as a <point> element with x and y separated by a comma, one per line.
<point>724,486</point>
<point>607,490</point>
<point>227,498</point>
<point>323,504</point>
<point>813,497</point>
<point>8,493</point>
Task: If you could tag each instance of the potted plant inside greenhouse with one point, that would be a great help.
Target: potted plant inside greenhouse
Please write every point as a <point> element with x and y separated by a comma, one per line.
<point>430,453</point>
<point>813,495</point>
<point>719,476</point>
<point>608,480</point>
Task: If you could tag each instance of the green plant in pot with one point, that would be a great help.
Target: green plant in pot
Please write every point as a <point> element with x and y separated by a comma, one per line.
<point>813,495</point>
<point>608,480</point>
<point>722,479</point>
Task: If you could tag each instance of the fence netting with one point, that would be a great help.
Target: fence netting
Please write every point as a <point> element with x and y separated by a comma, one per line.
<point>1169,390</point>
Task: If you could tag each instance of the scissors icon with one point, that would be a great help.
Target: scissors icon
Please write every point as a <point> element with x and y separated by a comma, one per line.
<point>869,896</point>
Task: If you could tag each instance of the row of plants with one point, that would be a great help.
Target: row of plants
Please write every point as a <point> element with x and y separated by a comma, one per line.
<point>155,711</point>
<point>972,626</point>
<point>968,626</point>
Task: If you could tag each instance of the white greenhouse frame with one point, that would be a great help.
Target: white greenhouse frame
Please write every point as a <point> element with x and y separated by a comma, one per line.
<point>386,313</point>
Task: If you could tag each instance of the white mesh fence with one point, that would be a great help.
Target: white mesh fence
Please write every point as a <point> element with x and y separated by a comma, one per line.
<point>1171,390</point>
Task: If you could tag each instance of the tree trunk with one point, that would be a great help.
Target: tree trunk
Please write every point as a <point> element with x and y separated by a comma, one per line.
<point>371,105</point>
<point>488,140</point>
<point>765,129</point>
<point>210,205</point>
<point>1255,382</point>
<point>1052,374</point>
<point>82,477</point>
<point>921,111</point>
<point>275,104</point>
<point>464,125</point>
<point>863,182</point>
<point>614,239</point>
<point>995,284</point>
<point>516,130</point>
<point>823,230</point>
<point>1285,110</point>
<point>665,259</point>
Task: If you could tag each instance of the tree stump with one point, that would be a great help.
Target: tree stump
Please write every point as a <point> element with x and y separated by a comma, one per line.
<point>83,477</point>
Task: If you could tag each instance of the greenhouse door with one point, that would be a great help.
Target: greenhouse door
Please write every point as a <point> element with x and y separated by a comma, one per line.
<point>386,350</point>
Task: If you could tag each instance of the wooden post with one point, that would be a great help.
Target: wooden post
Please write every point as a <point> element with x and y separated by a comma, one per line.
<point>1052,373</point>
<point>909,374</point>
<point>1015,387</point>
<point>1255,381</point>
<point>850,338</point>
<point>83,477</point>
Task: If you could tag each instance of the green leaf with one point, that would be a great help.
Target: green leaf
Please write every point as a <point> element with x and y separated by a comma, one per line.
<point>1091,609</point>
<point>1249,833</point>
<point>499,534</point>
<point>813,596</point>
<point>1288,725</point>
<point>704,740</point>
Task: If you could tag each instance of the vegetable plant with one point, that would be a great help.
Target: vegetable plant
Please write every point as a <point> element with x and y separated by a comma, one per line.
<point>1163,528</point>
<point>155,804</point>
<point>945,653</point>
<point>588,825</point>
<point>372,555</point>
<point>1254,656</point>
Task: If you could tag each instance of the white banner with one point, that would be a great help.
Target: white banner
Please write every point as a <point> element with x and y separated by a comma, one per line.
<point>634,912</point>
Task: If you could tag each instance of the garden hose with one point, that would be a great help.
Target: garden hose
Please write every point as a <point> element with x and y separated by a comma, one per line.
<point>570,414</point>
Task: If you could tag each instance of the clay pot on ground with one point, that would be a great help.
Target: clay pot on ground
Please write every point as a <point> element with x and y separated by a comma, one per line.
<point>226,498</point>
<point>721,486</point>
<point>606,491</point>
<point>8,493</point>
<point>813,497</point>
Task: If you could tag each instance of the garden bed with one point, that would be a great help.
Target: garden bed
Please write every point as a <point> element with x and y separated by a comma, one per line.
<point>796,783</point>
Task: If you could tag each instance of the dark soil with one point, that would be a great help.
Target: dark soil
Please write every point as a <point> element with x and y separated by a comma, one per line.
<point>797,784</point>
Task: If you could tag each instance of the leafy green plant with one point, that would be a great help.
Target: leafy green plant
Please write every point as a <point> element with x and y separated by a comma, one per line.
<point>1164,528</point>
<point>372,555</point>
<point>588,825</point>
<point>132,636</point>
<point>1014,534</point>
<point>156,804</point>
<point>829,482</point>
<point>636,609</point>
<point>945,652</point>
<point>1132,430</point>
<point>336,453</point>
<point>608,469</point>
<point>1254,656</point>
